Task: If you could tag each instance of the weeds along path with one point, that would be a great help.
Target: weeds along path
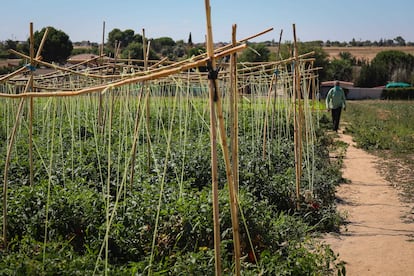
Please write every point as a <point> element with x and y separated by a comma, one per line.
<point>376,240</point>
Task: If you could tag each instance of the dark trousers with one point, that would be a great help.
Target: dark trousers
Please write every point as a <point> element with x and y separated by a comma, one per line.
<point>336,116</point>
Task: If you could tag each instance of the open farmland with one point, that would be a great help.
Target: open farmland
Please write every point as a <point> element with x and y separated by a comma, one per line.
<point>365,53</point>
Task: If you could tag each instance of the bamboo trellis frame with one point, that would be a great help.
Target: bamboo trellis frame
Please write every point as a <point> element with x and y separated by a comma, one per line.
<point>180,70</point>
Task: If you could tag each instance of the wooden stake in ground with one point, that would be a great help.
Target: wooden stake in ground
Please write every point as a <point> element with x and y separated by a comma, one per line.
<point>216,101</point>
<point>31,104</point>
<point>234,135</point>
<point>297,120</point>
<point>214,176</point>
<point>100,119</point>
<point>147,100</point>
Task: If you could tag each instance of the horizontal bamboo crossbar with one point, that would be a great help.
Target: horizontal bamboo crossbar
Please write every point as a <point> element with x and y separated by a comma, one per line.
<point>151,76</point>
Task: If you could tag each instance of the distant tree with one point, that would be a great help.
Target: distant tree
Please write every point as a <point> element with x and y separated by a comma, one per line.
<point>128,37</point>
<point>89,50</point>
<point>339,69</point>
<point>190,40</point>
<point>114,36</point>
<point>179,51</point>
<point>124,37</point>
<point>255,53</point>
<point>372,74</point>
<point>195,51</point>
<point>6,46</point>
<point>57,47</point>
<point>353,42</point>
<point>138,38</point>
<point>321,57</point>
<point>163,45</point>
<point>134,50</point>
<point>400,41</point>
<point>387,66</point>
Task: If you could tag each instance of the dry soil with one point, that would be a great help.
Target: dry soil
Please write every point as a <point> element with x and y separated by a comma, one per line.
<point>376,240</point>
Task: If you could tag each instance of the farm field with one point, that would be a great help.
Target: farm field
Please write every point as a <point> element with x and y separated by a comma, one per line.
<point>365,53</point>
<point>91,210</point>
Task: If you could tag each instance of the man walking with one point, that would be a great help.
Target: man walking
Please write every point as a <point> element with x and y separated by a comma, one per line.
<point>335,101</point>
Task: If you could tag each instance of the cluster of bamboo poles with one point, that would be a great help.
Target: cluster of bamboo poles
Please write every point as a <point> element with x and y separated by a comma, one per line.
<point>292,81</point>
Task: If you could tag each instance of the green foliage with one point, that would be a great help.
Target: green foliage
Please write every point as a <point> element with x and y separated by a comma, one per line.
<point>339,69</point>
<point>382,125</point>
<point>255,53</point>
<point>80,178</point>
<point>134,50</point>
<point>123,37</point>
<point>158,44</point>
<point>387,66</point>
<point>321,57</point>
<point>372,75</point>
<point>91,50</point>
<point>57,47</point>
<point>398,94</point>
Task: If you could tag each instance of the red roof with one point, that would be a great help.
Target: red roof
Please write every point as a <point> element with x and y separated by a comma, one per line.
<point>346,84</point>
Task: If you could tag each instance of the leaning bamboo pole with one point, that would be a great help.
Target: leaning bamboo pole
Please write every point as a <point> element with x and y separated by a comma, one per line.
<point>216,101</point>
<point>6,168</point>
<point>29,85</point>
<point>265,123</point>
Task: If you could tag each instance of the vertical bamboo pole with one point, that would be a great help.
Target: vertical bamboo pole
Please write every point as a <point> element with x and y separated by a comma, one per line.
<point>6,168</point>
<point>297,120</point>
<point>234,110</point>
<point>134,144</point>
<point>265,124</point>
<point>13,133</point>
<point>215,100</point>
<point>214,161</point>
<point>148,100</point>
<point>275,95</point>
<point>100,120</point>
<point>214,180</point>
<point>31,105</point>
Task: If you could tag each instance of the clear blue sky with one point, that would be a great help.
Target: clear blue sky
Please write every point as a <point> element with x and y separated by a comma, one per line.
<point>315,19</point>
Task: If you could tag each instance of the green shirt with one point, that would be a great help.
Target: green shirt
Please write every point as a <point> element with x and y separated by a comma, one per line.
<point>335,98</point>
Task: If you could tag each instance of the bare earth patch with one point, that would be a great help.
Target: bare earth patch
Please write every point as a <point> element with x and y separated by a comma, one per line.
<point>377,240</point>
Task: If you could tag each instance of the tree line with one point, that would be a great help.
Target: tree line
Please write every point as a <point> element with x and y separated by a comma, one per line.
<point>390,65</point>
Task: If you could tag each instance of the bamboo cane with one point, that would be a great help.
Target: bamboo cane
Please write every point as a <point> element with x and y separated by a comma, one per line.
<point>269,93</point>
<point>147,100</point>
<point>214,159</point>
<point>234,108</point>
<point>150,76</point>
<point>60,68</point>
<point>100,100</point>
<point>275,95</point>
<point>11,75</point>
<point>215,99</point>
<point>31,103</point>
<point>6,166</point>
<point>297,122</point>
<point>134,144</point>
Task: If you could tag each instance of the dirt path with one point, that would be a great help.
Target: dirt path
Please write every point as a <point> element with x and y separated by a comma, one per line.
<point>376,241</point>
